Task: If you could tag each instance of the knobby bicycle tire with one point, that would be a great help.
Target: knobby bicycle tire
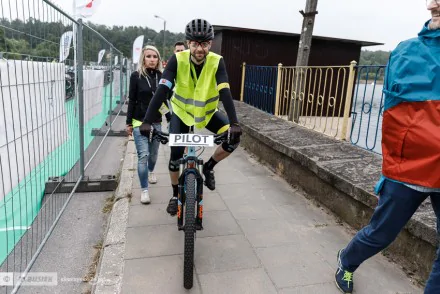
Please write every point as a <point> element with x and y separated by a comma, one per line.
<point>190,230</point>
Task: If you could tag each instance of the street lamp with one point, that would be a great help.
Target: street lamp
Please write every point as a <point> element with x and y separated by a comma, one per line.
<point>164,28</point>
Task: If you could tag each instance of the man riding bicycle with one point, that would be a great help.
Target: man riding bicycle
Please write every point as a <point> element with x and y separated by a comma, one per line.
<point>200,81</point>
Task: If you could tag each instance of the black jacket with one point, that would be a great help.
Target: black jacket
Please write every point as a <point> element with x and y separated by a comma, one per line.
<point>140,95</point>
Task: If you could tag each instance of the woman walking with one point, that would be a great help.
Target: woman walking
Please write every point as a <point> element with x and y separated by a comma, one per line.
<point>143,84</point>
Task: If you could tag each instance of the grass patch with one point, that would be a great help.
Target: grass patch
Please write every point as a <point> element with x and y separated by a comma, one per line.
<point>91,272</point>
<point>109,204</point>
<point>321,225</point>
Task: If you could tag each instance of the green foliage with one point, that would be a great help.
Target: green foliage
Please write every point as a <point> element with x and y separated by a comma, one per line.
<point>2,40</point>
<point>17,46</point>
<point>36,38</point>
<point>373,58</point>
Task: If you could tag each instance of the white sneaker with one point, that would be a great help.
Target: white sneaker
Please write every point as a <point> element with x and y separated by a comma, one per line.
<point>152,178</point>
<point>145,197</point>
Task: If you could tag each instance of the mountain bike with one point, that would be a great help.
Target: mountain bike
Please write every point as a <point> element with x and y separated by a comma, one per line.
<point>190,196</point>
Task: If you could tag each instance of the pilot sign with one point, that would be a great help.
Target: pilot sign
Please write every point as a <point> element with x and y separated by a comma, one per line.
<point>196,140</point>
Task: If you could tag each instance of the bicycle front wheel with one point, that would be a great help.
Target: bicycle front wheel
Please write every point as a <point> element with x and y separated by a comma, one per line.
<point>190,230</point>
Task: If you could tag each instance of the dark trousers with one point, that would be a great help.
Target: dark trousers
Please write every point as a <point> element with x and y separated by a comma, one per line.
<point>397,204</point>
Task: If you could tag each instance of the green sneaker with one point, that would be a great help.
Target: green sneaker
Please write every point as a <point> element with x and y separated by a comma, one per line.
<point>343,278</point>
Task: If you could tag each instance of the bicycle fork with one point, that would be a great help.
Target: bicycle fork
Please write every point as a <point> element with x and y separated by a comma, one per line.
<point>182,196</point>
<point>199,217</point>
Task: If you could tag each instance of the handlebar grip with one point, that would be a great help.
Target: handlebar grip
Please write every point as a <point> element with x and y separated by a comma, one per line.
<point>160,136</point>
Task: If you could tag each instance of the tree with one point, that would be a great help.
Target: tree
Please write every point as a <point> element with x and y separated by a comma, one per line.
<point>2,40</point>
<point>18,49</point>
<point>38,38</point>
<point>375,59</point>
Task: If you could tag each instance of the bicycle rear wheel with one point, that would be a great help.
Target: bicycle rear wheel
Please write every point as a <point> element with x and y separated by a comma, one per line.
<point>190,230</point>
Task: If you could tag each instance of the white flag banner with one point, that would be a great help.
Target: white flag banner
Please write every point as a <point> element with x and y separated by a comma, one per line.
<point>116,60</point>
<point>86,8</point>
<point>101,55</point>
<point>65,42</point>
<point>137,48</point>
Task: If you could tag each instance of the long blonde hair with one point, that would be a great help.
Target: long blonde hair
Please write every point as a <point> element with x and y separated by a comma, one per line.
<point>141,64</point>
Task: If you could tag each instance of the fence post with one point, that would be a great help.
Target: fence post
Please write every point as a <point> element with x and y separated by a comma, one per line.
<point>127,77</point>
<point>300,84</point>
<point>111,89</point>
<point>277,96</point>
<point>243,74</point>
<point>79,73</point>
<point>121,79</point>
<point>348,98</point>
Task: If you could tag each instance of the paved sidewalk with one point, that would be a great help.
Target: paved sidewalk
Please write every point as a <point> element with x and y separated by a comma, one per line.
<point>260,236</point>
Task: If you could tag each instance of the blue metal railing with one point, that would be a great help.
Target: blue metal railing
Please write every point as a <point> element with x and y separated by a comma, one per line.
<point>367,108</point>
<point>260,87</point>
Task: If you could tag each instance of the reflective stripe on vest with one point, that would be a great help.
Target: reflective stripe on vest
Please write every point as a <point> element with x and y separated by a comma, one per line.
<point>196,103</point>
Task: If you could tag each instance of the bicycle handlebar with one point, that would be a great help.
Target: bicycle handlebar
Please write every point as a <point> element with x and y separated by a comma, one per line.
<point>163,137</point>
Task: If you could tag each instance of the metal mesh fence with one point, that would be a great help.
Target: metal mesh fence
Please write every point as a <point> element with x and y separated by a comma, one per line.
<point>46,124</point>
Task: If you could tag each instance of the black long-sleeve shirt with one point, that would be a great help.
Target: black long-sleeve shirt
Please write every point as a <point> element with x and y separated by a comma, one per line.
<point>140,95</point>
<point>170,73</point>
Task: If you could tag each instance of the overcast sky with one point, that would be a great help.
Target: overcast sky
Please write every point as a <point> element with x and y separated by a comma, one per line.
<point>383,21</point>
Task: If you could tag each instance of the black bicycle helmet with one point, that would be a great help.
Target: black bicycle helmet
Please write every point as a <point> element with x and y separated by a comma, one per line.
<point>199,30</point>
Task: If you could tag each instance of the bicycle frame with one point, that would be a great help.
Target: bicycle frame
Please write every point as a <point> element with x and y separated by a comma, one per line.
<point>190,163</point>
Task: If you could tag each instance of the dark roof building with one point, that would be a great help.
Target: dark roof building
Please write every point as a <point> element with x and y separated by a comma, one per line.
<point>259,47</point>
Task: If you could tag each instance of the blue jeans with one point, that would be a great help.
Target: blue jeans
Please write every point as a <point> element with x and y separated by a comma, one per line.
<point>397,204</point>
<point>147,155</point>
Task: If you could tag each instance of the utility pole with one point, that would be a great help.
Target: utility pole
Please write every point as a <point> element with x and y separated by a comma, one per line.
<point>302,59</point>
<point>164,29</point>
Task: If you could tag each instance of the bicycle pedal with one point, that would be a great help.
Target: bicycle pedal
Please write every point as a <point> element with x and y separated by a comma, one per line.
<point>199,227</point>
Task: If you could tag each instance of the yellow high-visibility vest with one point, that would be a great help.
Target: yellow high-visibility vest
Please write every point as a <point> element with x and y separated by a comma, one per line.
<point>195,100</point>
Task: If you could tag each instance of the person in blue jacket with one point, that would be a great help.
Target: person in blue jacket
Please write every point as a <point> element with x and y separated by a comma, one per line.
<point>410,149</point>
